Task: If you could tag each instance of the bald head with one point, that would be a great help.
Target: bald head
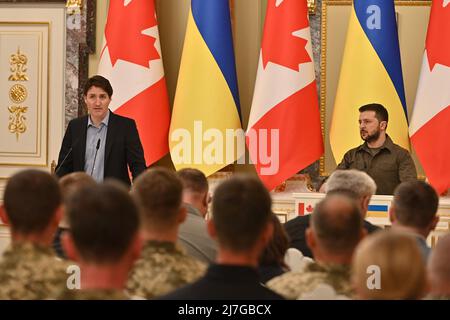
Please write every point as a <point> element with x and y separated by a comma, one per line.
<point>439,267</point>
<point>337,224</point>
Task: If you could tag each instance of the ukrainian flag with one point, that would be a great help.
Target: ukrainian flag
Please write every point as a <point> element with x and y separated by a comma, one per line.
<point>206,102</point>
<point>371,72</point>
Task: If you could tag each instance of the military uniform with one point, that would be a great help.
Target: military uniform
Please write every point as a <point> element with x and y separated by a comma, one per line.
<point>162,268</point>
<point>29,271</point>
<point>93,294</point>
<point>294,285</point>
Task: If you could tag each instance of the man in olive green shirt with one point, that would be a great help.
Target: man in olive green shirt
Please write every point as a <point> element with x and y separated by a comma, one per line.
<point>386,162</point>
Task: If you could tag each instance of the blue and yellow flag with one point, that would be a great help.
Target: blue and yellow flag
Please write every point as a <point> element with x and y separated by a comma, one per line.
<point>206,113</point>
<point>371,72</point>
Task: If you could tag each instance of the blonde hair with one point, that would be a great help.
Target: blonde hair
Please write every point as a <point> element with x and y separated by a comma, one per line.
<point>400,262</point>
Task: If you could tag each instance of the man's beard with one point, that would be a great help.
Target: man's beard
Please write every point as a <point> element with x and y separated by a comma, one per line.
<point>372,137</point>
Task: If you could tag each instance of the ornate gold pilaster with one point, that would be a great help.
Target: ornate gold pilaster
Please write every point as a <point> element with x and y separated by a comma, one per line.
<point>18,93</point>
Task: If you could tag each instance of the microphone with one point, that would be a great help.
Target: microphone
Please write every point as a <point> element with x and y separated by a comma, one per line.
<point>59,166</point>
<point>95,156</point>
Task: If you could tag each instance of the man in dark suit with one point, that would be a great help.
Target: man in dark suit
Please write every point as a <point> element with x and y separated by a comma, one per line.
<point>359,183</point>
<point>101,143</point>
<point>242,225</point>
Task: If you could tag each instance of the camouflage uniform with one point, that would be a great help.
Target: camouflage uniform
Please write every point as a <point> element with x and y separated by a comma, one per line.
<point>29,271</point>
<point>162,268</point>
<point>93,294</point>
<point>294,285</point>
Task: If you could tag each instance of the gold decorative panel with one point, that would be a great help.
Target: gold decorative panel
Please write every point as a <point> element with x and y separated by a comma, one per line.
<point>24,61</point>
<point>18,62</point>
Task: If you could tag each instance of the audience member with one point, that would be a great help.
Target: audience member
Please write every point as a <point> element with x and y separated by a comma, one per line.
<point>388,265</point>
<point>439,269</point>
<point>29,268</point>
<point>413,210</point>
<point>163,265</point>
<point>358,182</point>
<point>271,261</point>
<point>103,239</point>
<point>69,184</point>
<point>193,234</point>
<point>241,224</point>
<point>336,228</point>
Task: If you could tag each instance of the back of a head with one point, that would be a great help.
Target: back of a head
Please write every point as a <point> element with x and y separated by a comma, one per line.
<point>353,180</point>
<point>415,204</point>
<point>276,248</point>
<point>31,199</point>
<point>439,265</point>
<point>104,221</point>
<point>73,181</point>
<point>337,223</point>
<point>241,210</point>
<point>397,261</point>
<point>158,193</point>
<point>193,180</point>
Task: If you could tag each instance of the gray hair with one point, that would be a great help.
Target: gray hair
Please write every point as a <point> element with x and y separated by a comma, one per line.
<point>355,181</point>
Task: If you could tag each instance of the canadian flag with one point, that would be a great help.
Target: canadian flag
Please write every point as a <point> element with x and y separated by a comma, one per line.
<point>131,60</point>
<point>285,115</point>
<point>430,123</point>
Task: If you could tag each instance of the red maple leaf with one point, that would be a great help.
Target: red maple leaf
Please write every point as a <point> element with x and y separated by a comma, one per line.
<point>279,45</point>
<point>309,208</point>
<point>438,44</point>
<point>124,28</point>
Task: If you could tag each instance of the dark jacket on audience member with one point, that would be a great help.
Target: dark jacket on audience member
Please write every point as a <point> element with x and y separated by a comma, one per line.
<point>296,229</point>
<point>225,282</point>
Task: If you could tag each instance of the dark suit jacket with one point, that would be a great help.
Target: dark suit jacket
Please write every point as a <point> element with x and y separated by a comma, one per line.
<point>123,148</point>
<point>225,282</point>
<point>296,229</point>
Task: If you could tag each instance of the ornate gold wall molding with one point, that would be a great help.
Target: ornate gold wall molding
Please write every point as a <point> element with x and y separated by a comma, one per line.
<point>74,6</point>
<point>17,119</point>
<point>18,93</point>
<point>18,62</point>
<point>26,45</point>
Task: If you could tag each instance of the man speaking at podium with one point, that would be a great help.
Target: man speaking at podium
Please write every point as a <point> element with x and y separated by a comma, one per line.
<point>101,143</point>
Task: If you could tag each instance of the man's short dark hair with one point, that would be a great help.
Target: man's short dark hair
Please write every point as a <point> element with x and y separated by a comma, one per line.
<point>73,181</point>
<point>158,193</point>
<point>380,111</point>
<point>31,199</point>
<point>415,203</point>
<point>193,180</point>
<point>241,208</point>
<point>337,225</point>
<point>99,82</point>
<point>104,220</point>
<point>276,249</point>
